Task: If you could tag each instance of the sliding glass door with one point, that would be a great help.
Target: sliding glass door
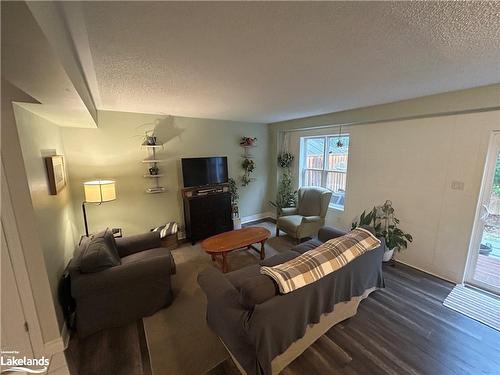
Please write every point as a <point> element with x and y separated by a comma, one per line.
<point>483,265</point>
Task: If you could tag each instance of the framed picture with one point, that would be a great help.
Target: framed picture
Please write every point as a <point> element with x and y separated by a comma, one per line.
<point>55,173</point>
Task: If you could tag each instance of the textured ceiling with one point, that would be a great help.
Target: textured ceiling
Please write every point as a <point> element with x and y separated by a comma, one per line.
<point>265,62</point>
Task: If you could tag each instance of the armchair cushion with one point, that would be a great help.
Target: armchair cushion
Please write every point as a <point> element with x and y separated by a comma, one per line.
<point>98,253</point>
<point>151,265</point>
<point>151,253</point>
<point>311,219</point>
<point>290,223</point>
<point>137,243</point>
<point>309,201</point>
<point>313,201</point>
<point>289,211</point>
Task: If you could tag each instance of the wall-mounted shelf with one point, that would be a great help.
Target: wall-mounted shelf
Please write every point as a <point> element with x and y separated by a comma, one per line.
<point>152,146</point>
<point>155,190</point>
<point>151,161</point>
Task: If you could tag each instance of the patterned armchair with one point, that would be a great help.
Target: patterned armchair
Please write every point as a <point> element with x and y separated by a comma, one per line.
<point>309,215</point>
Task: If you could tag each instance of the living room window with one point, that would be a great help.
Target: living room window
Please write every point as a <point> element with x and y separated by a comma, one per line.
<point>323,162</point>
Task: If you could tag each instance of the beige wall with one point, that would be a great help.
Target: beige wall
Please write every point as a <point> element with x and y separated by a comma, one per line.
<point>485,98</point>
<point>413,163</point>
<point>53,213</point>
<point>113,151</point>
<point>391,159</point>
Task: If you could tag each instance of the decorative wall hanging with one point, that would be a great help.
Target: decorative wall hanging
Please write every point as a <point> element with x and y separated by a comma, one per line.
<point>56,173</point>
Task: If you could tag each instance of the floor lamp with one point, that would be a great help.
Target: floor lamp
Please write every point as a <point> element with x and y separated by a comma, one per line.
<point>97,192</point>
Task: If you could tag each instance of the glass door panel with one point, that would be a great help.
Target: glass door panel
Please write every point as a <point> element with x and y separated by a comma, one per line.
<point>483,269</point>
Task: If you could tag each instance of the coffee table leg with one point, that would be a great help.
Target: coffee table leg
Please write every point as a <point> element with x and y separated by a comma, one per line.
<point>262,250</point>
<point>224,263</point>
<point>213,257</point>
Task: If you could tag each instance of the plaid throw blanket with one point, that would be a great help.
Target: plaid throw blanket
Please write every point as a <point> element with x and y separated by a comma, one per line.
<point>319,262</point>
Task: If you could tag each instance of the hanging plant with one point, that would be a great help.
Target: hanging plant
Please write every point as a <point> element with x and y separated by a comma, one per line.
<point>249,166</point>
<point>285,159</point>
<point>245,180</point>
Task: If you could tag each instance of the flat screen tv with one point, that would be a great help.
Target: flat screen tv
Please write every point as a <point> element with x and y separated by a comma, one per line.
<point>204,171</point>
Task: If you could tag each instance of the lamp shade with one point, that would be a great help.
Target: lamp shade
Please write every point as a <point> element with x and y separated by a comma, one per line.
<point>99,191</point>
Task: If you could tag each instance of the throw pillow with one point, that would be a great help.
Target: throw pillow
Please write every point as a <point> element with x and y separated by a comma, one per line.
<point>99,253</point>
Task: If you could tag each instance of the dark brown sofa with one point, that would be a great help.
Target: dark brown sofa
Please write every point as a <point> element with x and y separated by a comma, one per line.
<point>263,330</point>
<point>126,292</point>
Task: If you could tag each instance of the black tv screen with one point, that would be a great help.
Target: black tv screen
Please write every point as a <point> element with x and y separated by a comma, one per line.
<point>204,171</point>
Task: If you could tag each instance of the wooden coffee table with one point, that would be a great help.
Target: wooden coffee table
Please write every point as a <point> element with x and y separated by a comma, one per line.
<point>220,245</point>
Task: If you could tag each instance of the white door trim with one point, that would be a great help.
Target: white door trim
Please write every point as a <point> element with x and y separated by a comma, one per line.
<point>20,271</point>
<point>477,231</point>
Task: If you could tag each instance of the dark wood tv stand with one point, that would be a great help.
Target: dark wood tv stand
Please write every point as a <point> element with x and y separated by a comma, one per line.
<point>207,211</point>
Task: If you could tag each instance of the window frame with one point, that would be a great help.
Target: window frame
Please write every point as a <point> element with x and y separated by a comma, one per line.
<point>324,171</point>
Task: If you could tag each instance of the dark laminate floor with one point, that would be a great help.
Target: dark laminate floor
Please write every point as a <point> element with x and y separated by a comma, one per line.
<point>403,329</point>
<point>120,351</point>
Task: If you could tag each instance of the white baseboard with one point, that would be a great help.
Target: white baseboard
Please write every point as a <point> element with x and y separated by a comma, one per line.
<point>426,271</point>
<point>58,365</point>
<point>65,335</point>
<point>262,215</point>
<point>59,344</point>
<point>54,346</point>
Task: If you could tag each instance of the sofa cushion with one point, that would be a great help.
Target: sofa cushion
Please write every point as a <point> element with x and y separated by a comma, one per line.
<point>98,253</point>
<point>279,258</point>
<point>306,246</point>
<point>257,290</point>
<point>238,277</point>
<point>253,287</point>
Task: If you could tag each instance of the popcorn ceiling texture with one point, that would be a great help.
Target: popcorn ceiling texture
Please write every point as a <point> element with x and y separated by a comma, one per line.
<point>266,62</point>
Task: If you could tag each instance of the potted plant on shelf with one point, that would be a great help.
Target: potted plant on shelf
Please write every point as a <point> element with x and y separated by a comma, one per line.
<point>149,138</point>
<point>247,141</point>
<point>385,224</point>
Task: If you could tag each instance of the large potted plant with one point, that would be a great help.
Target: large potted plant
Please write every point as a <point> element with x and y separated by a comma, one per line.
<point>233,190</point>
<point>385,224</point>
<point>286,195</point>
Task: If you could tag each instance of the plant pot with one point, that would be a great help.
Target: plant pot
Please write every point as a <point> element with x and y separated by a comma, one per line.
<point>485,249</point>
<point>236,223</point>
<point>388,255</point>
